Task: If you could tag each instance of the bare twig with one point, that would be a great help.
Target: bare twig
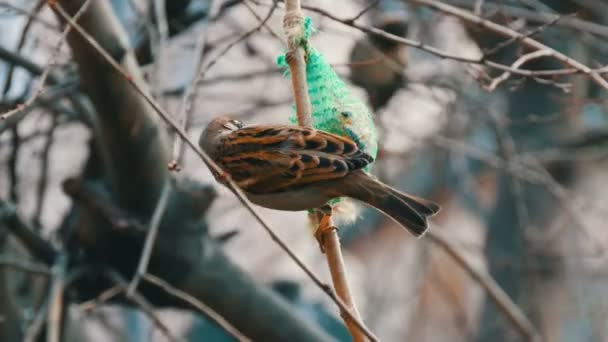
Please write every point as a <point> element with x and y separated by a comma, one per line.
<point>261,20</point>
<point>35,244</point>
<point>26,28</point>
<point>31,334</point>
<point>103,297</point>
<point>142,303</point>
<point>365,9</point>
<point>52,60</point>
<point>508,32</point>
<point>53,331</point>
<point>189,97</point>
<point>512,40</point>
<point>337,269</point>
<point>493,290</point>
<point>293,27</point>
<point>537,16</point>
<point>519,62</point>
<point>208,162</point>
<point>455,57</point>
<point>197,304</point>
<point>44,169</point>
<point>28,14</point>
<point>24,266</point>
<point>157,216</point>
<point>13,174</point>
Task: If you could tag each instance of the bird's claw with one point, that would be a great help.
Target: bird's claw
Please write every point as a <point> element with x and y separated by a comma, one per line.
<point>325,226</point>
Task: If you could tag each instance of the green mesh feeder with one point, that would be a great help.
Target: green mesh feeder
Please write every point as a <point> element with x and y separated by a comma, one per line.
<point>334,108</point>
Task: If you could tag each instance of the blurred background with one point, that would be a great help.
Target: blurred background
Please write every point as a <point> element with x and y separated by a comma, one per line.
<point>516,160</point>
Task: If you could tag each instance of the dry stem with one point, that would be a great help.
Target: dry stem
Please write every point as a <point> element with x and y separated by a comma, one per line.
<point>329,240</point>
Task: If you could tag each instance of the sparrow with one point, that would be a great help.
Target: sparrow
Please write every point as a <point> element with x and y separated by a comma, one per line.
<point>295,168</point>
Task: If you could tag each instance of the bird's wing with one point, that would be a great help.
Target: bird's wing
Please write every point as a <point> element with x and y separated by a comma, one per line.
<point>269,159</point>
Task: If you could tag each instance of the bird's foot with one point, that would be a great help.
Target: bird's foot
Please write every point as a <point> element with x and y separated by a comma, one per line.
<point>325,226</point>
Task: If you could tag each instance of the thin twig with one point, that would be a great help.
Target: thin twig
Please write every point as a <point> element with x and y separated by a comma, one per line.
<point>35,244</point>
<point>508,32</point>
<point>157,216</point>
<point>103,297</point>
<point>32,332</point>
<point>261,20</point>
<point>455,57</point>
<point>512,40</point>
<point>24,266</point>
<point>142,303</point>
<point>53,329</point>
<point>26,28</point>
<point>47,69</point>
<point>186,106</point>
<point>47,24</point>
<point>365,9</point>
<point>197,304</point>
<point>44,170</point>
<point>494,291</point>
<point>211,165</point>
<point>536,16</point>
<point>519,62</point>
<point>13,174</point>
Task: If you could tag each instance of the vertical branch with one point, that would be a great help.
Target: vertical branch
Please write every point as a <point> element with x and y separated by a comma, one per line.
<point>13,175</point>
<point>294,31</point>
<point>335,262</point>
<point>44,170</point>
<point>56,300</point>
<point>326,232</point>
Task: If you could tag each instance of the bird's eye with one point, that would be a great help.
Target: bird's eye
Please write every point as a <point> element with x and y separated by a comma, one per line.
<point>233,125</point>
<point>346,115</point>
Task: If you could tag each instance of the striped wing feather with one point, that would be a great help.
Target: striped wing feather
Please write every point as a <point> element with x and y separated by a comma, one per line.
<point>269,159</point>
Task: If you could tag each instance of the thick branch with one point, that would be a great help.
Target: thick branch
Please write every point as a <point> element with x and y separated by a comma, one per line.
<point>133,147</point>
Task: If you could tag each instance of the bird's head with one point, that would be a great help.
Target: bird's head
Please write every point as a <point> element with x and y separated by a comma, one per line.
<point>215,129</point>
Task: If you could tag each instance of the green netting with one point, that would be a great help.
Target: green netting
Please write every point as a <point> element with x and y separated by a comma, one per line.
<point>334,108</point>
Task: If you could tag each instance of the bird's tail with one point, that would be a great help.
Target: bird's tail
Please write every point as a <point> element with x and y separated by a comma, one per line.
<point>409,211</point>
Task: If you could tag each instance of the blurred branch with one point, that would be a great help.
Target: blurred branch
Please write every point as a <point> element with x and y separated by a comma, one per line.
<point>26,28</point>
<point>10,318</point>
<point>151,236</point>
<point>51,98</point>
<point>532,16</point>
<point>47,69</point>
<point>141,302</point>
<point>508,32</point>
<point>13,164</point>
<point>56,300</point>
<point>36,245</point>
<point>33,15</point>
<point>293,25</point>
<point>44,170</point>
<point>9,262</point>
<point>576,67</point>
<point>492,289</point>
<point>201,307</point>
